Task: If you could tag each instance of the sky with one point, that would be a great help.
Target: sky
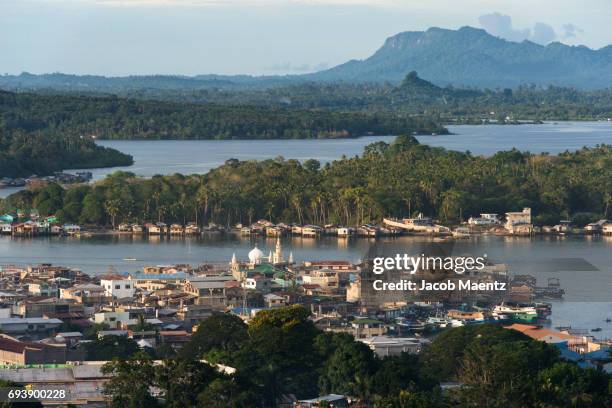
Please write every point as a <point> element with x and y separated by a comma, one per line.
<point>260,37</point>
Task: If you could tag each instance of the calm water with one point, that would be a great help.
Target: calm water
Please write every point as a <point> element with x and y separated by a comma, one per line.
<point>200,156</point>
<point>189,156</point>
<point>549,137</point>
<point>584,265</point>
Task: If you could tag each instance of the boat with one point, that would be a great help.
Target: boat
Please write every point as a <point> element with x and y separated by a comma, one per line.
<point>597,329</point>
<point>466,317</point>
<point>520,314</point>
<point>344,232</point>
<point>129,259</point>
<point>552,291</point>
<point>420,224</point>
<point>461,233</point>
<point>415,327</point>
<point>438,322</point>
<point>410,325</point>
<point>456,323</point>
<point>499,318</point>
<point>543,309</point>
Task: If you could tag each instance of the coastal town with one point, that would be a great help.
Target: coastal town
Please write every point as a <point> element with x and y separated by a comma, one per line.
<point>54,319</point>
<point>519,223</point>
<point>305,204</point>
<point>57,177</point>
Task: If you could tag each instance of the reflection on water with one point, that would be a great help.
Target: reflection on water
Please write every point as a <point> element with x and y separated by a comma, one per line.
<point>549,137</point>
<point>543,257</point>
<point>199,156</point>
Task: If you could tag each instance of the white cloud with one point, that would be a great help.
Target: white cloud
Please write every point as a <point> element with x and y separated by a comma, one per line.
<point>571,31</point>
<point>501,25</point>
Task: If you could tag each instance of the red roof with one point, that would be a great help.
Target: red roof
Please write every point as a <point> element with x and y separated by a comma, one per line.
<point>15,346</point>
<point>538,333</point>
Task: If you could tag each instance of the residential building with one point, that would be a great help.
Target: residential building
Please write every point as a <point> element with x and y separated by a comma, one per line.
<point>43,289</point>
<point>208,290</point>
<point>484,219</point>
<point>385,346</point>
<point>86,293</point>
<point>595,227</point>
<point>14,352</point>
<point>114,319</point>
<point>519,223</point>
<point>271,300</point>
<point>46,306</point>
<point>117,286</point>
<point>257,282</point>
<point>327,280</point>
<point>155,281</point>
<point>193,314</point>
<point>28,325</point>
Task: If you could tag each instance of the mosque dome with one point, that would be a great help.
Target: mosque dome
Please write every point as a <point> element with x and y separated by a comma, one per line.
<point>255,255</point>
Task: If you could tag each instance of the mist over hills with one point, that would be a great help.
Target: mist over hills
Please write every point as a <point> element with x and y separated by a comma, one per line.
<point>465,57</point>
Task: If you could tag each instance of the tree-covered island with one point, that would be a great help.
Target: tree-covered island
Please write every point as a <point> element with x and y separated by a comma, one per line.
<point>386,180</point>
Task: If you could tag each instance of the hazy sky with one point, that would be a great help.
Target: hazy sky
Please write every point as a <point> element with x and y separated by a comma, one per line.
<point>120,37</point>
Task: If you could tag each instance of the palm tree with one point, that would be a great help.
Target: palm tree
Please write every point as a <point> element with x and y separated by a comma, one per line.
<point>112,208</point>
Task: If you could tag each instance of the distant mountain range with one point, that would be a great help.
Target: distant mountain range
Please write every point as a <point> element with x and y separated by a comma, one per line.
<point>472,57</point>
<point>464,57</point>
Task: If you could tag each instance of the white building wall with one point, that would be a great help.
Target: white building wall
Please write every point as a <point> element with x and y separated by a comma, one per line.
<point>118,289</point>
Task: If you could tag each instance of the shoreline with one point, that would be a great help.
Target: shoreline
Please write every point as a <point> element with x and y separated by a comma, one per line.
<point>236,232</point>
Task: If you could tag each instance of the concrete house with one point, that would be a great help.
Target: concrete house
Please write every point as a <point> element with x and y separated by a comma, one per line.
<point>118,287</point>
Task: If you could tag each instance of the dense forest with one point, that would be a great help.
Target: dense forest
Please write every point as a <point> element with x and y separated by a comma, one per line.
<point>413,96</point>
<point>120,118</point>
<point>397,179</point>
<point>490,366</point>
<point>46,132</point>
<point>42,152</point>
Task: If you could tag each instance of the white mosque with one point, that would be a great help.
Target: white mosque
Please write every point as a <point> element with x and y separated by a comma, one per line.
<point>257,257</point>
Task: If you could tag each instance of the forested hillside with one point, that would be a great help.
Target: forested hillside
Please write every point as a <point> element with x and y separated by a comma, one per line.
<point>413,96</point>
<point>472,57</point>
